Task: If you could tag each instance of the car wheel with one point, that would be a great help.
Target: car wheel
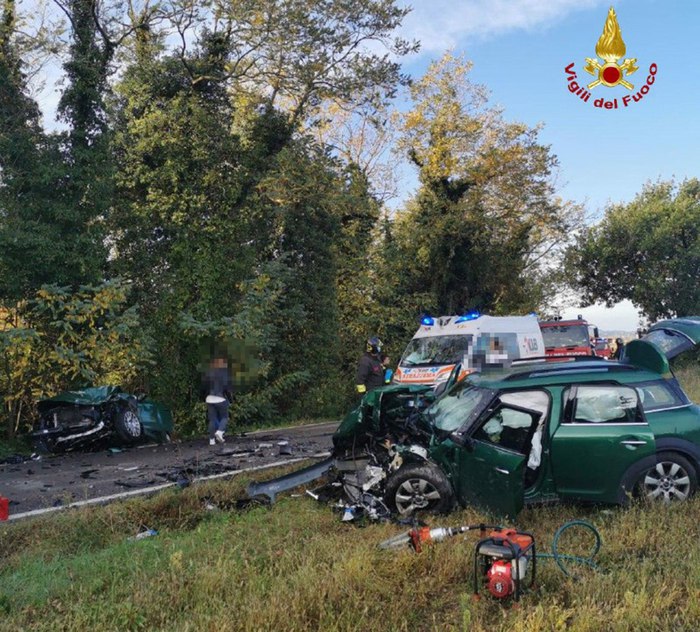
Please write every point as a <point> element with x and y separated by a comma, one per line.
<point>418,487</point>
<point>127,424</point>
<point>46,445</point>
<point>673,478</point>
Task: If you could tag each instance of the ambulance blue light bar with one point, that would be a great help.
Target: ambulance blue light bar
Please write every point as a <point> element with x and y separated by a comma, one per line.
<point>428,321</point>
<point>468,316</point>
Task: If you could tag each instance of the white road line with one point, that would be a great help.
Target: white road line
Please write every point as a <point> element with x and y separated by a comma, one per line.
<point>155,488</point>
<point>273,430</point>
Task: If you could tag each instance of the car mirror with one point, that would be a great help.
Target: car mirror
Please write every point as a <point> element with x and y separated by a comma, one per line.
<point>463,440</point>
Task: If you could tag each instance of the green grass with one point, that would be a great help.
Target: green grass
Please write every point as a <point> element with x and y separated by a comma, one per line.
<point>296,566</point>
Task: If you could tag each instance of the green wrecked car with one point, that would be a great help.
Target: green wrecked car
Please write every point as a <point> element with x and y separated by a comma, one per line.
<point>78,419</point>
<point>587,430</point>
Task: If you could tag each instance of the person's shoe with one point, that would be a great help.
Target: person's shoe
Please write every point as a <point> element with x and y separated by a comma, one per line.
<point>212,441</point>
<point>219,434</point>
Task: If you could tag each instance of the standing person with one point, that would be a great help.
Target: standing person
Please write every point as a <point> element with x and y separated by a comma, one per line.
<point>219,391</point>
<point>370,370</point>
<point>619,347</point>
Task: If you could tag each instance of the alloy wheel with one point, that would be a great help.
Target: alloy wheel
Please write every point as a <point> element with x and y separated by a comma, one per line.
<point>414,494</point>
<point>667,481</point>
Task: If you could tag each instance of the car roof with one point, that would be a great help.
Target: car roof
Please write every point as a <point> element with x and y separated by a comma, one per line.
<point>549,373</point>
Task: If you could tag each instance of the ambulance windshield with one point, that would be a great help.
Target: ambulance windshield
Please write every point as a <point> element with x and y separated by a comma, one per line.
<point>436,350</point>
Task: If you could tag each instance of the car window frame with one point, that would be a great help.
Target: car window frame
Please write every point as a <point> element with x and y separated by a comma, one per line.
<point>569,398</point>
<point>472,419</point>
<point>496,404</point>
<point>500,446</point>
<point>681,399</point>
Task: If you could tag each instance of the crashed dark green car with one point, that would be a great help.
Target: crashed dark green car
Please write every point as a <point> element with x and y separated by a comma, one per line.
<point>104,414</point>
<point>586,430</point>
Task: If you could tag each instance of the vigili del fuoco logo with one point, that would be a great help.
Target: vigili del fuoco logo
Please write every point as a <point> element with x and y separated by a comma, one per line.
<point>608,72</point>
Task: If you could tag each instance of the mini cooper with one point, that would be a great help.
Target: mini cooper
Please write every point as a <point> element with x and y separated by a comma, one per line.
<point>583,429</point>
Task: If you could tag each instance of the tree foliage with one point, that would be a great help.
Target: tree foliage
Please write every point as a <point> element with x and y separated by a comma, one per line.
<point>61,339</point>
<point>230,161</point>
<point>303,51</point>
<point>485,216</point>
<point>53,192</point>
<point>647,251</point>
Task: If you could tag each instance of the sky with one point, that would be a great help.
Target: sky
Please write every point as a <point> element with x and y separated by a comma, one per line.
<point>520,49</point>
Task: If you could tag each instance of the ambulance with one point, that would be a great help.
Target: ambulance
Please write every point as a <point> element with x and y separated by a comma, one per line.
<point>476,342</point>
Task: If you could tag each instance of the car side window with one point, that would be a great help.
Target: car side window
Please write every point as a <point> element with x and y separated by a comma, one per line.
<point>605,404</point>
<point>657,395</point>
<point>514,422</point>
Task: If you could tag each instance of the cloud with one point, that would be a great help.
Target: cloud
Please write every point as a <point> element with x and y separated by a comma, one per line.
<point>442,24</point>
<point>624,316</point>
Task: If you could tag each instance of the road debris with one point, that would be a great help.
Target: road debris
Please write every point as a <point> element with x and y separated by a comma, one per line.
<point>91,475</point>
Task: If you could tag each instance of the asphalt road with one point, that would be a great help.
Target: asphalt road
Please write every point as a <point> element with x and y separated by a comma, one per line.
<point>57,481</point>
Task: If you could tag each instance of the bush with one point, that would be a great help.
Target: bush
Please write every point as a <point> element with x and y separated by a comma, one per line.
<point>63,339</point>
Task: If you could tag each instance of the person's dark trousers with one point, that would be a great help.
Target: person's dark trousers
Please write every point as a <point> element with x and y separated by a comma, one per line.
<point>217,414</point>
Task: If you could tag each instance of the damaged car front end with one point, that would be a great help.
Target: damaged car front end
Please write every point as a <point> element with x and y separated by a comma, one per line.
<point>78,419</point>
<point>582,430</point>
<point>381,461</point>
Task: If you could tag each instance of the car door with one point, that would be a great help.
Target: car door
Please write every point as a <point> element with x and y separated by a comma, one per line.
<point>490,466</point>
<point>602,434</point>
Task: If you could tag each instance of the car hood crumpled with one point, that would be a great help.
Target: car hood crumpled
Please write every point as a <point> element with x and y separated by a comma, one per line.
<point>86,397</point>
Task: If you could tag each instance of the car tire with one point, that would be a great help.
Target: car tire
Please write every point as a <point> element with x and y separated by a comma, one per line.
<point>47,445</point>
<point>418,487</point>
<point>127,424</point>
<point>673,478</point>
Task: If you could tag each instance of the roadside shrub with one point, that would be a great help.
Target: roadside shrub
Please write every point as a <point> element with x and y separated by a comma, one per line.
<point>64,339</point>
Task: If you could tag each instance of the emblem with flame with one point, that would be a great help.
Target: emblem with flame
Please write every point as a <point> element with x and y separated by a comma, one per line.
<point>610,48</point>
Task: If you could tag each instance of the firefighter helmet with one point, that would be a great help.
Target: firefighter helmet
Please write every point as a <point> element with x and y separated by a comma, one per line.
<point>374,345</point>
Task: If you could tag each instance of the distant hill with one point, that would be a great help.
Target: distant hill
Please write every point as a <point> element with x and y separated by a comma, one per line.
<point>611,333</point>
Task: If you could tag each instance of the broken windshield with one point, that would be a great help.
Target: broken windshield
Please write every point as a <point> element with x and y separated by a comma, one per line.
<point>436,350</point>
<point>459,407</point>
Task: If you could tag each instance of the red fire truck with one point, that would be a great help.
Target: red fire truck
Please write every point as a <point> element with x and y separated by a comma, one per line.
<point>569,337</point>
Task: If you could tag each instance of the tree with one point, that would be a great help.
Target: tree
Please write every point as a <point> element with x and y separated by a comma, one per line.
<point>293,55</point>
<point>23,236</point>
<point>363,139</point>
<point>61,339</point>
<point>216,181</point>
<point>647,251</point>
<point>485,219</point>
<point>56,187</point>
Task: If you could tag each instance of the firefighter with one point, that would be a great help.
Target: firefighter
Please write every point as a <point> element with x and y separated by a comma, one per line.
<point>619,348</point>
<point>370,370</point>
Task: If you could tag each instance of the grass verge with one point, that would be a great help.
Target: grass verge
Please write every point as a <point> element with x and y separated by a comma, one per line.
<point>296,566</point>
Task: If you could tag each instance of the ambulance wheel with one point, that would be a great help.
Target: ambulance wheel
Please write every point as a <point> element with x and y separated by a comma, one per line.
<point>418,487</point>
